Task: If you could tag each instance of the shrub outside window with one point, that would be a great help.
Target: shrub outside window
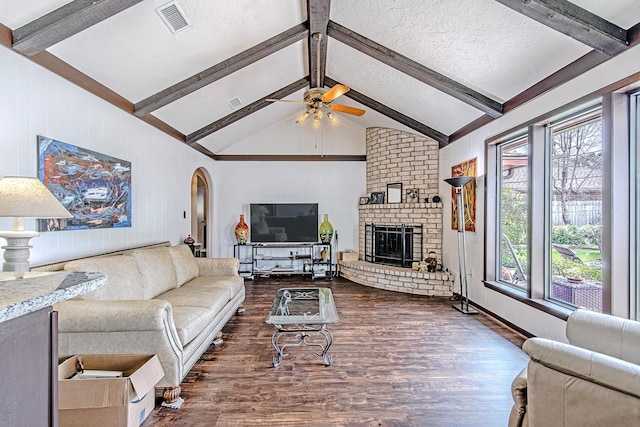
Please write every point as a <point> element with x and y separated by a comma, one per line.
<point>513,229</point>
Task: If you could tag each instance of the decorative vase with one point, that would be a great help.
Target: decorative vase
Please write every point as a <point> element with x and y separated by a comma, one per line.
<point>242,231</point>
<point>326,230</point>
<point>324,254</point>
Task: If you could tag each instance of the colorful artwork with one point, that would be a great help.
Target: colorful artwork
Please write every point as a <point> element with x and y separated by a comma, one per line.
<point>467,168</point>
<point>94,187</point>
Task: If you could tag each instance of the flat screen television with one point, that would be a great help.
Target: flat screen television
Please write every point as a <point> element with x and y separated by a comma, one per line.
<point>283,222</point>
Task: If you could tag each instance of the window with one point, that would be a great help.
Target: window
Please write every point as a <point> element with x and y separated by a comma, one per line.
<point>635,135</point>
<point>546,243</point>
<point>513,213</point>
<point>580,169</point>
<point>575,195</point>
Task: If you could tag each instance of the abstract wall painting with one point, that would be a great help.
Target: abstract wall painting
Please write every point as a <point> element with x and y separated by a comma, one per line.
<point>467,168</point>
<point>95,188</point>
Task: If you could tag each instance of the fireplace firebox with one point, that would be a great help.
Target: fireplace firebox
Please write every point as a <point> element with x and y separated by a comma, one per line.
<point>397,245</point>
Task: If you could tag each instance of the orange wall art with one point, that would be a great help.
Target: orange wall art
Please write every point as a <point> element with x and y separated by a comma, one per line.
<point>467,168</point>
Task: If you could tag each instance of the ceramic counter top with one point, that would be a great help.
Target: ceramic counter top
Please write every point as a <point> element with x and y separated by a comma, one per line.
<point>23,293</point>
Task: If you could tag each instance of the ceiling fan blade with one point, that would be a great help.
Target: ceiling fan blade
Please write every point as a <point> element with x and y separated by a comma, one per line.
<point>346,109</point>
<point>285,100</point>
<point>335,92</point>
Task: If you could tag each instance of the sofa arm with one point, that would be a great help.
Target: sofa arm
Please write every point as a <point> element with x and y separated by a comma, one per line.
<point>603,333</point>
<point>122,327</point>
<point>113,316</point>
<point>590,366</point>
<point>218,266</point>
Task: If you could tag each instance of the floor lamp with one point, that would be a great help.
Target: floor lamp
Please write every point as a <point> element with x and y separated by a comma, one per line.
<point>458,183</point>
<point>20,198</point>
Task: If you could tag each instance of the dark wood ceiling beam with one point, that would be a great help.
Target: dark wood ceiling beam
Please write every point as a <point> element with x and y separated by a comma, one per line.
<point>575,22</point>
<point>393,114</point>
<point>415,70</point>
<point>6,36</point>
<point>204,151</point>
<point>290,158</point>
<point>470,127</point>
<point>318,13</point>
<point>73,75</point>
<point>633,35</point>
<point>65,22</point>
<point>560,77</point>
<point>245,111</point>
<point>223,69</point>
<point>565,74</point>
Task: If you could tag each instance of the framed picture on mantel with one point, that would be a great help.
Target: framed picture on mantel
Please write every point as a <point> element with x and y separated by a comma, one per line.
<point>377,198</point>
<point>413,195</point>
<point>394,193</point>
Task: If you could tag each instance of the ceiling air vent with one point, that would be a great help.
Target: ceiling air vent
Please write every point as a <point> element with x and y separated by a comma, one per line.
<point>173,15</point>
<point>235,103</point>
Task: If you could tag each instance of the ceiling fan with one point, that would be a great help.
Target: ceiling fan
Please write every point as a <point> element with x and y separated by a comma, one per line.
<point>319,99</point>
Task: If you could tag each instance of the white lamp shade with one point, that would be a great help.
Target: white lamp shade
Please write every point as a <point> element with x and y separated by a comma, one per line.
<point>25,197</point>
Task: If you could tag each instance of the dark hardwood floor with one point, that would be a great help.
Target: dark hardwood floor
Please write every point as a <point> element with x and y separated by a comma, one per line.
<point>398,360</point>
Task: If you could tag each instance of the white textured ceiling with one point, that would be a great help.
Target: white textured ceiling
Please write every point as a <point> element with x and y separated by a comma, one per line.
<point>481,44</point>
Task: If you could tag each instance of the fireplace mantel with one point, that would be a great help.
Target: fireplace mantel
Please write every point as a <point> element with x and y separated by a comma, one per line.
<point>396,206</point>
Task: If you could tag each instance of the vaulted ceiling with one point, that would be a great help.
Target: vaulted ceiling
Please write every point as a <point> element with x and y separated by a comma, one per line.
<point>441,68</point>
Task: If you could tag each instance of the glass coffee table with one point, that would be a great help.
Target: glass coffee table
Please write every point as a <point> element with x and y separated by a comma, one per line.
<point>301,312</point>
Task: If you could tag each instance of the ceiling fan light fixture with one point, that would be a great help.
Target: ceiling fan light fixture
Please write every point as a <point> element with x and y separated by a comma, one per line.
<point>303,118</point>
<point>333,118</point>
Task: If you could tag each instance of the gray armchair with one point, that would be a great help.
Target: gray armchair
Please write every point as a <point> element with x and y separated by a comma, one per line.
<point>592,381</point>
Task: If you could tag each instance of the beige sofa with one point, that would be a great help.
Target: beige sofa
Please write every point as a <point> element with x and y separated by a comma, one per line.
<point>158,300</point>
<point>593,381</point>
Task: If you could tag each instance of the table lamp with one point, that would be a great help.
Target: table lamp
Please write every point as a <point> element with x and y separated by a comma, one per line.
<point>20,198</point>
<point>458,183</point>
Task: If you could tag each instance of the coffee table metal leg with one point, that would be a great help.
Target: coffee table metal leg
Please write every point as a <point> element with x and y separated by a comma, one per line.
<point>274,341</point>
<point>275,338</point>
<point>328,336</point>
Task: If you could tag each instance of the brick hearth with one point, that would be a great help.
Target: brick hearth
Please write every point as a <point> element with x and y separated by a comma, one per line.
<point>396,278</point>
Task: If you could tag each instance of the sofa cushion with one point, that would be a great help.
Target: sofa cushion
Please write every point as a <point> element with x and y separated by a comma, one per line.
<point>184,263</point>
<point>157,268</point>
<point>190,321</point>
<point>233,284</point>
<point>124,280</point>
<point>212,299</point>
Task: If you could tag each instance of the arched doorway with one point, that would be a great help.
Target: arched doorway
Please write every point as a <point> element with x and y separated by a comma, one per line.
<point>200,209</point>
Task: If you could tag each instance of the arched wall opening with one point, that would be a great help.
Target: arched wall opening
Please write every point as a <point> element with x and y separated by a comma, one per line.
<point>201,209</point>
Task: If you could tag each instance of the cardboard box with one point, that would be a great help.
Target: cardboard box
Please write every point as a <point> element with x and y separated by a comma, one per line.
<point>119,401</point>
<point>348,256</point>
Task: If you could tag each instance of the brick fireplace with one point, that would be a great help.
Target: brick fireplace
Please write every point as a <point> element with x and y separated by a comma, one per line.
<point>395,156</point>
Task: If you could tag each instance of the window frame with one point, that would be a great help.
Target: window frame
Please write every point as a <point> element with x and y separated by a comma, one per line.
<point>620,261</point>
<point>498,228</point>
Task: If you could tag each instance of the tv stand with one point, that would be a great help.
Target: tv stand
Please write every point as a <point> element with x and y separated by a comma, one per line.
<point>267,259</point>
